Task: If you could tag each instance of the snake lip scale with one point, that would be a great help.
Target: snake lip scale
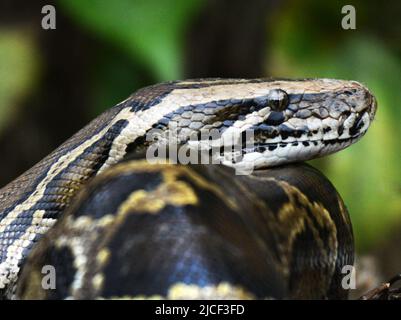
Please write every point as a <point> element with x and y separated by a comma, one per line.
<point>291,121</point>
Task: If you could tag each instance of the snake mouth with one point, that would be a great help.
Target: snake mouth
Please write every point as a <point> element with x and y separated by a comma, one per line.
<point>272,146</point>
<point>347,126</point>
<point>262,147</point>
<point>262,155</point>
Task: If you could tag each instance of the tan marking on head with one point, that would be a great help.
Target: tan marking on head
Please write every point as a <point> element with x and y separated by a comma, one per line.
<point>219,89</point>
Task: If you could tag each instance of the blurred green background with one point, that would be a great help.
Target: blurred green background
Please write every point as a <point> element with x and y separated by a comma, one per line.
<point>52,82</point>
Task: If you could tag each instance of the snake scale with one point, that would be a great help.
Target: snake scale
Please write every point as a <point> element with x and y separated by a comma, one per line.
<point>129,228</point>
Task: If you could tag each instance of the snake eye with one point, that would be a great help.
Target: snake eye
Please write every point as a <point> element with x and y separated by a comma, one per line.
<point>278,99</point>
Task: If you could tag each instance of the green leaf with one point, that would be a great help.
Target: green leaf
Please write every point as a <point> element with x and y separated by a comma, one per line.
<point>151,30</point>
<point>18,68</point>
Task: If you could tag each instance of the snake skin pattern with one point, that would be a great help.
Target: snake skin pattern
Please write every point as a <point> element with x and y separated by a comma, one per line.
<point>173,231</point>
<point>292,120</point>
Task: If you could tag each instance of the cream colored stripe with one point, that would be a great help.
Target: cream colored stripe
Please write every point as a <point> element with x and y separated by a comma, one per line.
<point>143,120</point>
<point>55,169</point>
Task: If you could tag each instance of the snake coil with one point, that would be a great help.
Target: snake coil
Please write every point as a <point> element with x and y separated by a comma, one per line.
<point>127,228</point>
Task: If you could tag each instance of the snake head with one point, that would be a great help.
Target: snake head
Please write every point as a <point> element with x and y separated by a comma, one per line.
<point>271,122</point>
<point>300,122</point>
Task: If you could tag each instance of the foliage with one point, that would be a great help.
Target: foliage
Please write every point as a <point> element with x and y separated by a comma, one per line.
<point>18,68</point>
<point>151,30</point>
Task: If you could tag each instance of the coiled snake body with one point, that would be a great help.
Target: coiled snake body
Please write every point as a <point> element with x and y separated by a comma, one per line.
<point>143,230</point>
